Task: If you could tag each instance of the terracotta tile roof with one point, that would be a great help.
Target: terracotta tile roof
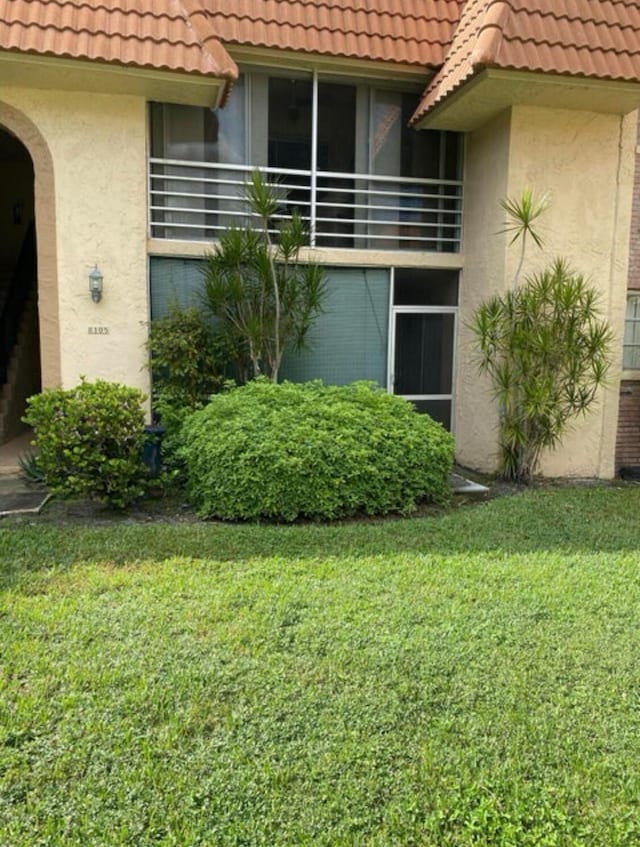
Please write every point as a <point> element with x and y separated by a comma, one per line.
<point>156,34</point>
<point>416,32</point>
<point>587,38</point>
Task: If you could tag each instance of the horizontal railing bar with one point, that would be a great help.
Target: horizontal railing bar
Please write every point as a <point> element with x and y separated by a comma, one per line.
<point>405,210</point>
<point>174,210</point>
<point>168,210</point>
<point>325,189</point>
<point>400,194</point>
<point>368,236</point>
<point>389,178</point>
<point>374,222</point>
<point>209,181</point>
<point>180,210</point>
<point>341,221</point>
<point>319,234</point>
<point>320,174</point>
<point>402,210</point>
<point>296,202</point>
<point>377,192</point>
<point>322,202</point>
<point>223,166</point>
<point>189,196</point>
<point>211,227</point>
<point>218,197</point>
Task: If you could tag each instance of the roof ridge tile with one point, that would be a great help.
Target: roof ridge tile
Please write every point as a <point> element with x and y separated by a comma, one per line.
<point>490,32</point>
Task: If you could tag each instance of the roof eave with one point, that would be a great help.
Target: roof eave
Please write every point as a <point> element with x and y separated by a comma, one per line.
<point>492,90</point>
<point>37,70</point>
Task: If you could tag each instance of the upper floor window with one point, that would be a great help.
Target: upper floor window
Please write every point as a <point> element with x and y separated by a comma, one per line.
<point>342,153</point>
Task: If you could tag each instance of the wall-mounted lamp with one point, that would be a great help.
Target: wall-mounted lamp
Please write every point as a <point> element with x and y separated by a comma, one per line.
<point>95,284</point>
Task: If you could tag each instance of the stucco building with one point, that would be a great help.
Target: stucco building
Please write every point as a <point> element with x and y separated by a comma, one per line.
<point>395,128</point>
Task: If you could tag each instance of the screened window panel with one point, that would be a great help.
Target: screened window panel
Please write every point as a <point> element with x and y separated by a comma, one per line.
<point>174,282</point>
<point>348,341</point>
<point>424,354</point>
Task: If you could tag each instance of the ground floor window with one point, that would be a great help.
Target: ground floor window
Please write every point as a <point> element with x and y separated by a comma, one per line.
<point>393,326</point>
<point>349,339</point>
<point>631,354</point>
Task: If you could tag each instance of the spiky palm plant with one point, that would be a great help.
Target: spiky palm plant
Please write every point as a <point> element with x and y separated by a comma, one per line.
<point>255,286</point>
<point>546,350</point>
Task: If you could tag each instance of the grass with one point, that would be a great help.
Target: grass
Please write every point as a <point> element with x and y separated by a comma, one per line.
<point>470,678</point>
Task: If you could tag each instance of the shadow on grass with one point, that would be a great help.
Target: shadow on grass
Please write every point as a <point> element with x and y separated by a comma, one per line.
<point>601,519</point>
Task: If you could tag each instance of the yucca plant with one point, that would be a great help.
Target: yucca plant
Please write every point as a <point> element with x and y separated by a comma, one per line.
<point>546,350</point>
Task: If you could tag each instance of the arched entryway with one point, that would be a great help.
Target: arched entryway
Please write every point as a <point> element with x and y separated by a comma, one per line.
<point>19,334</point>
<point>29,331</point>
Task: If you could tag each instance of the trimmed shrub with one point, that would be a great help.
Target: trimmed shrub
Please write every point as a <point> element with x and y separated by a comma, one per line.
<point>309,450</point>
<point>187,361</point>
<point>187,357</point>
<point>90,440</point>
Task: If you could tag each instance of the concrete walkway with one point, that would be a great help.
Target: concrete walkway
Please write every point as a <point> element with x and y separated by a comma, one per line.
<point>11,451</point>
<point>18,497</point>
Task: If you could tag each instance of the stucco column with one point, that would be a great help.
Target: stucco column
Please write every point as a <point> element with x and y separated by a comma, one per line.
<point>584,162</point>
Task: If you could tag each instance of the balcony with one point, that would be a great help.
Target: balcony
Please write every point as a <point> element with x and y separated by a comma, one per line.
<point>198,200</point>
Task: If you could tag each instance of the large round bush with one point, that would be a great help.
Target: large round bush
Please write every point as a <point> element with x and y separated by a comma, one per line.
<point>291,450</point>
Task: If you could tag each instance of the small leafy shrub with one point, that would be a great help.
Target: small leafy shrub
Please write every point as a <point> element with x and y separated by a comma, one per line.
<point>90,440</point>
<point>310,450</point>
<point>187,357</point>
<point>187,366</point>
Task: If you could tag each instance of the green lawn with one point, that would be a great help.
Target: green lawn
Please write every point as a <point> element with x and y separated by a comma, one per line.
<point>463,679</point>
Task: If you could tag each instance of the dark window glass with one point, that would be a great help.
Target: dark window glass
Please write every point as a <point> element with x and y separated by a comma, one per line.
<point>290,115</point>
<point>424,354</point>
<point>440,410</point>
<point>336,153</point>
<point>419,287</point>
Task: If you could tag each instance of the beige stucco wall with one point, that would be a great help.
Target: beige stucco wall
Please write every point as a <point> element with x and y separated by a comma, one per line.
<point>97,144</point>
<point>486,182</point>
<point>584,161</point>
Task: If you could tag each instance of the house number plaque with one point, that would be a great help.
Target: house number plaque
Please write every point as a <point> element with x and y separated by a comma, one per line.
<point>98,330</point>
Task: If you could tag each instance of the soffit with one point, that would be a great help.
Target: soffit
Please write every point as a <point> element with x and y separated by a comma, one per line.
<point>597,39</point>
<point>492,91</point>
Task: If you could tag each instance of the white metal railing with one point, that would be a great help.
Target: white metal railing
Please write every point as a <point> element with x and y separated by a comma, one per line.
<point>199,200</point>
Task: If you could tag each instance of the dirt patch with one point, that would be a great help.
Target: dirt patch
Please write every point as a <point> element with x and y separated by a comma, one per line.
<point>172,507</point>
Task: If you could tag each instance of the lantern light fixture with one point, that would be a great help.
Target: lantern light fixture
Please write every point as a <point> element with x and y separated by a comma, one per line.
<point>95,284</point>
